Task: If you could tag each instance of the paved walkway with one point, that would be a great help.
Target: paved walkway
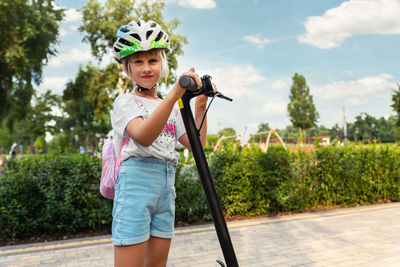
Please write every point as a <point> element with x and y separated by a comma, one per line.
<point>364,236</point>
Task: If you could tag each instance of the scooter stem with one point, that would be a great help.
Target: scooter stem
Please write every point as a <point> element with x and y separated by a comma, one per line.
<point>208,185</point>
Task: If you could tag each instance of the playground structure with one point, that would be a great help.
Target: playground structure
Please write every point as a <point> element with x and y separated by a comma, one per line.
<point>267,136</point>
<point>263,148</point>
<point>218,145</point>
<point>270,132</point>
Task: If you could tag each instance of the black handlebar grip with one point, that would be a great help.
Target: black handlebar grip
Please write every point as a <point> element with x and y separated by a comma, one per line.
<point>187,82</point>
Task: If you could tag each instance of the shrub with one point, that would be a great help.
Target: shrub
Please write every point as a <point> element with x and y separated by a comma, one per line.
<point>51,194</point>
<point>59,193</point>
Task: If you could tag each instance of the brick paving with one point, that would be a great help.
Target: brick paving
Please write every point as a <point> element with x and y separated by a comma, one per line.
<point>363,236</point>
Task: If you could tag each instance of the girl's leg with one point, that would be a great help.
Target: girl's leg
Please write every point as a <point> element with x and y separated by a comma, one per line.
<point>130,256</point>
<point>157,251</point>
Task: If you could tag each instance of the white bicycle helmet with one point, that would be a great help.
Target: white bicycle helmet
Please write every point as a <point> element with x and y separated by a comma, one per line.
<point>139,36</point>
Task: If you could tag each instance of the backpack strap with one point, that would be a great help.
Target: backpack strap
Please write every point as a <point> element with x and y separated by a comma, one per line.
<point>176,111</point>
<point>125,141</point>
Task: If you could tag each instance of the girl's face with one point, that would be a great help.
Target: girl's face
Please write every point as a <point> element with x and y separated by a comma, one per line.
<point>145,68</point>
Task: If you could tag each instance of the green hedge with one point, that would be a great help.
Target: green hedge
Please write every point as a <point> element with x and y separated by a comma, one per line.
<point>59,193</point>
<point>51,194</point>
<point>252,182</point>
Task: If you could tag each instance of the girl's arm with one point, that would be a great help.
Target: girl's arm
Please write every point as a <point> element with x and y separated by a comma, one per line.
<point>145,132</point>
<point>200,110</point>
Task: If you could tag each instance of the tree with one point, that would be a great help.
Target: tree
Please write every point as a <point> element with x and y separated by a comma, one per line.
<point>384,130</point>
<point>262,128</point>
<point>227,132</point>
<point>301,108</point>
<point>394,131</point>
<point>365,127</point>
<point>87,106</point>
<point>6,139</point>
<point>100,24</point>
<point>396,103</point>
<point>29,31</point>
<point>39,120</point>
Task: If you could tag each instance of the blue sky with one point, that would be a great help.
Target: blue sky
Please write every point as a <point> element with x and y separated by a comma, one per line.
<point>347,51</point>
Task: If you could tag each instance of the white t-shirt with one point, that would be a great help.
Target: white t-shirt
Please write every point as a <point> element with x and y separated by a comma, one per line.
<point>126,109</point>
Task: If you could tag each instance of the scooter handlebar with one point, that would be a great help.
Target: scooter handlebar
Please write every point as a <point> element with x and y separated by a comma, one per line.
<point>207,88</point>
<point>187,82</point>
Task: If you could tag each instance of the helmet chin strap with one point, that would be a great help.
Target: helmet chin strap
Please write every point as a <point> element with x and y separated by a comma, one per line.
<point>141,89</point>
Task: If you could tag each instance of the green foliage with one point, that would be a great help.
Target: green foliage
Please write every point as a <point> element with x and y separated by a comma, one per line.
<point>29,31</point>
<point>227,132</point>
<point>40,144</point>
<point>59,194</point>
<point>367,127</point>
<point>60,144</point>
<point>252,182</point>
<point>101,22</point>
<point>87,104</point>
<point>212,140</point>
<point>51,194</point>
<point>5,138</point>
<point>39,120</point>
<point>262,128</point>
<point>191,204</point>
<point>301,108</point>
<point>396,103</point>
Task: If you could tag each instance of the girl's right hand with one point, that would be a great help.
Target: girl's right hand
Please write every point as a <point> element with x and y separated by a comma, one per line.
<point>178,91</point>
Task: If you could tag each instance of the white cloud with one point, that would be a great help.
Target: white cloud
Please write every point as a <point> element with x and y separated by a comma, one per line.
<point>235,81</point>
<point>358,91</point>
<point>272,107</point>
<point>72,15</point>
<point>203,4</point>
<point>55,84</point>
<point>73,56</point>
<point>256,39</point>
<point>279,84</point>
<point>63,32</point>
<point>353,17</point>
<point>73,28</point>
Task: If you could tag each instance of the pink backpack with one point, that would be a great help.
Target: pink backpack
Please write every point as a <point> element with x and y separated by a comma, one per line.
<point>110,168</point>
<point>111,164</point>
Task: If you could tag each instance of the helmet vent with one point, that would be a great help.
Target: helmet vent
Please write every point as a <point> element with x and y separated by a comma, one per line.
<point>148,34</point>
<point>160,34</point>
<point>138,23</point>
<point>153,25</point>
<point>125,42</point>
<point>117,50</point>
<point>124,29</point>
<point>135,35</point>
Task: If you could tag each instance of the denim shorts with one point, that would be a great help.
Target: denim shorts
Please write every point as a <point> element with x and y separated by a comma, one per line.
<point>144,202</point>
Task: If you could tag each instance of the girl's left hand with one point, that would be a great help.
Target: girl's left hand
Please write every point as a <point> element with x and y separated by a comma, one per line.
<point>201,101</point>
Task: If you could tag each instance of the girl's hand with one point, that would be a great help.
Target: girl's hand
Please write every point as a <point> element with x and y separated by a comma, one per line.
<point>178,91</point>
<point>201,101</point>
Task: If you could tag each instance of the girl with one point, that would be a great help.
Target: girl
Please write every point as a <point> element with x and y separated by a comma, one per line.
<point>144,203</point>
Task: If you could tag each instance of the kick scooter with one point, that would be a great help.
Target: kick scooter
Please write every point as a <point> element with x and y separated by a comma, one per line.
<point>201,162</point>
